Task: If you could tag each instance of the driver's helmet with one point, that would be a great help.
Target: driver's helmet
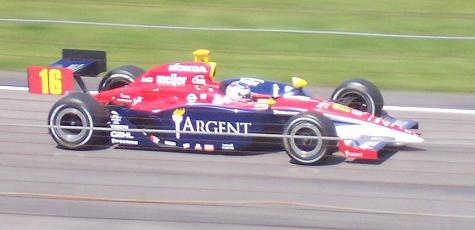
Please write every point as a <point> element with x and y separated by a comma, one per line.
<point>238,91</point>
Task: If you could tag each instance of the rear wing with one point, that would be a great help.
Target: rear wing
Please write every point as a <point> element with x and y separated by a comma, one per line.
<point>57,78</point>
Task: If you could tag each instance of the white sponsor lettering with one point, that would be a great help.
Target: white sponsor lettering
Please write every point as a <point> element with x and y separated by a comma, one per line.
<point>187,68</point>
<point>147,79</point>
<point>184,123</point>
<point>186,145</point>
<point>198,147</point>
<point>155,139</point>
<point>115,117</point>
<point>284,112</point>
<point>227,146</point>
<point>75,67</point>
<point>353,154</point>
<point>121,134</point>
<point>124,142</point>
<point>199,80</point>
<point>209,147</point>
<point>119,127</point>
<point>171,143</point>
<point>203,96</point>
<point>191,98</point>
<point>124,96</point>
<point>137,100</point>
<point>357,112</point>
<point>173,80</point>
<point>214,126</point>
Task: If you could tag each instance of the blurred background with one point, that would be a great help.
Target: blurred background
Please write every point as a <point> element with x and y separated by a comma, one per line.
<point>428,64</point>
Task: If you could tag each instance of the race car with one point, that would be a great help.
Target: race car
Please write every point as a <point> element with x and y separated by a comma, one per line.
<point>180,106</point>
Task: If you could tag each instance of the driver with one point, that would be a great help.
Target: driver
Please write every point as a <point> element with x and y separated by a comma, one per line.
<point>238,91</point>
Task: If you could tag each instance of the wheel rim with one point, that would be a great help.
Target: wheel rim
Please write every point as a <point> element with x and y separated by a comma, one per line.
<point>70,117</point>
<point>357,101</point>
<point>305,148</point>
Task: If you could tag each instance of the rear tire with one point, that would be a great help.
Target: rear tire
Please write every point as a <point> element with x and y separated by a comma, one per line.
<point>309,151</point>
<point>78,110</point>
<point>119,77</point>
<point>359,94</point>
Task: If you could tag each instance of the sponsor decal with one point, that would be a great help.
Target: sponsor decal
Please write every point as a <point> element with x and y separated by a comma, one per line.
<point>173,79</point>
<point>203,96</point>
<point>124,96</point>
<point>199,80</point>
<point>386,123</point>
<point>137,100</point>
<point>147,79</point>
<point>191,98</point>
<point>251,81</point>
<point>171,143</point>
<point>284,112</point>
<point>198,147</point>
<point>178,118</point>
<point>115,117</point>
<point>357,112</point>
<point>75,67</point>
<point>120,133</point>
<point>155,139</point>
<point>120,136</point>
<point>227,146</point>
<point>210,126</point>
<point>124,100</point>
<point>323,105</point>
<point>187,68</point>
<point>353,154</point>
<point>208,147</point>
<point>186,145</point>
<point>124,142</point>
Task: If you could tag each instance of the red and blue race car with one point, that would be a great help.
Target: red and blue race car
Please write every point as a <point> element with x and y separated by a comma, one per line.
<point>180,106</point>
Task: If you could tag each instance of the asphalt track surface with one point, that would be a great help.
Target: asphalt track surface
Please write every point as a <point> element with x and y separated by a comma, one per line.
<point>425,186</point>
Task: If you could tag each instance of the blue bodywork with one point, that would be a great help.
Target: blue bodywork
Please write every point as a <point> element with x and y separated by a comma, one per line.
<point>197,118</point>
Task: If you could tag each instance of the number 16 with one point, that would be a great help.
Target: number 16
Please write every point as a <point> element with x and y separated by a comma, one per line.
<point>51,81</point>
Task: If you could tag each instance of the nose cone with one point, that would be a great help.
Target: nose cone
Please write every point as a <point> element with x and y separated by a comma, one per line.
<point>418,139</point>
<point>411,138</point>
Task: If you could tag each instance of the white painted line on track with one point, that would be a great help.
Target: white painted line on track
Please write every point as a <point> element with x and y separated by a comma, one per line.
<point>13,88</point>
<point>389,107</point>
<point>430,110</point>
<point>264,30</point>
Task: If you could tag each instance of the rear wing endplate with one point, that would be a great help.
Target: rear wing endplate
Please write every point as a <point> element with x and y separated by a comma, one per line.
<point>57,78</point>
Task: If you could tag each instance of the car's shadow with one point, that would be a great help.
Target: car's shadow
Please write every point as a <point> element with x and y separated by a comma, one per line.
<point>334,159</point>
<point>386,154</point>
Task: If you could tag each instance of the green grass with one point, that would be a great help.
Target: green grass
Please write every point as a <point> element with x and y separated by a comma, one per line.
<point>415,64</point>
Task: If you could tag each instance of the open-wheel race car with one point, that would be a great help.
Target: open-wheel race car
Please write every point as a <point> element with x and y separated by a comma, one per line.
<point>180,106</point>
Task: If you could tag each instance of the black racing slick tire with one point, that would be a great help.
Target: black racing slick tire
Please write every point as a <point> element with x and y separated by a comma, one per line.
<point>359,94</point>
<point>309,151</point>
<point>119,77</point>
<point>80,110</point>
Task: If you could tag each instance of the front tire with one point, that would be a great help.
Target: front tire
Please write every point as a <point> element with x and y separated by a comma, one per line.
<point>309,151</point>
<point>119,77</point>
<point>359,94</point>
<point>80,110</point>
